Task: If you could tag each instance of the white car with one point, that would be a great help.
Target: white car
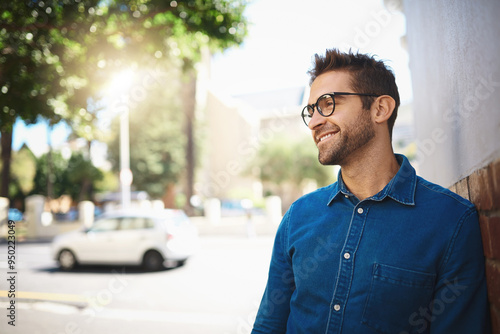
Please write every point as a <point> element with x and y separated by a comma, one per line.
<point>148,238</point>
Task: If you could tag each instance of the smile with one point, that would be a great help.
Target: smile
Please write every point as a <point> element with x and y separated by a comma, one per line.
<point>325,136</point>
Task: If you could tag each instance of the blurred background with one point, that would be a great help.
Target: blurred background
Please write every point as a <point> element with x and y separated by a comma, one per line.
<point>195,105</point>
<point>211,94</point>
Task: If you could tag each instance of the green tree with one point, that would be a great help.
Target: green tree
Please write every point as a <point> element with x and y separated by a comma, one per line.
<point>40,41</point>
<point>58,175</point>
<point>76,177</point>
<point>286,164</point>
<point>23,173</point>
<point>82,176</point>
<point>56,55</point>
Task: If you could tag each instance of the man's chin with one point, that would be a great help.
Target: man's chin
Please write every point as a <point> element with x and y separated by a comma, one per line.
<point>328,161</point>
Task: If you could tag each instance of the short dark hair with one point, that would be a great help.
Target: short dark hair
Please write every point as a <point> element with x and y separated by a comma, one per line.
<point>368,76</point>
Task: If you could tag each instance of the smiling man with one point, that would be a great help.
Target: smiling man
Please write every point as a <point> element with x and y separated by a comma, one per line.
<point>381,250</point>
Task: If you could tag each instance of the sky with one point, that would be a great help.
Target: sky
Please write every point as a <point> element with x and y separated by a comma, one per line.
<point>283,37</point>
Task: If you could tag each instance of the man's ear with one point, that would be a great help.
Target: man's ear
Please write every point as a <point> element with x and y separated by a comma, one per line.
<point>382,108</point>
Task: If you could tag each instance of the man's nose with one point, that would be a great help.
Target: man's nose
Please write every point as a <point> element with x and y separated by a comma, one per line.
<point>316,120</point>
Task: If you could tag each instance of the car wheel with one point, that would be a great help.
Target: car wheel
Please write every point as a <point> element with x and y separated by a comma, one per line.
<point>152,261</point>
<point>67,260</point>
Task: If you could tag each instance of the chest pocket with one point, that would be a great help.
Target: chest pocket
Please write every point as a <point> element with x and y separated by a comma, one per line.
<point>396,296</point>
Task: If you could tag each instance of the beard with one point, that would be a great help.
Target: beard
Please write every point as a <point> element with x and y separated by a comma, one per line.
<point>349,140</point>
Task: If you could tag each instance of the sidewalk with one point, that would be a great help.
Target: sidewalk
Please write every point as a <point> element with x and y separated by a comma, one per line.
<point>236,226</point>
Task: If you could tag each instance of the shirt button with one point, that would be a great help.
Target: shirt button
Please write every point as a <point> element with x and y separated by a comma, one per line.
<point>347,256</point>
<point>346,196</point>
<point>360,210</point>
<point>336,307</point>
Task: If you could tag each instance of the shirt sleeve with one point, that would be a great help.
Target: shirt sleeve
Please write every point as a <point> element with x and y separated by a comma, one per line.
<point>460,303</point>
<point>274,308</point>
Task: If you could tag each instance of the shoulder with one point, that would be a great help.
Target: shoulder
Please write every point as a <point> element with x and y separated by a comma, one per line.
<point>313,202</point>
<point>321,195</point>
<point>427,191</point>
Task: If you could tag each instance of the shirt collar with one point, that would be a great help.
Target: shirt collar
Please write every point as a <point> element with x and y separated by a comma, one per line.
<point>401,188</point>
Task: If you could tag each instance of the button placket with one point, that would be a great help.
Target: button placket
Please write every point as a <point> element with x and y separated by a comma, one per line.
<point>346,269</point>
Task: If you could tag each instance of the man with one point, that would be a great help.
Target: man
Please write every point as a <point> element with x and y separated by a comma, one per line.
<point>381,250</point>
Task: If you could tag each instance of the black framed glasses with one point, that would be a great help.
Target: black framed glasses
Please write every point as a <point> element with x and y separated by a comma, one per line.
<point>325,105</point>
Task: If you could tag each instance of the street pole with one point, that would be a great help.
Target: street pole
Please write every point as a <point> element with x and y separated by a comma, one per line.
<point>125,172</point>
<point>119,89</point>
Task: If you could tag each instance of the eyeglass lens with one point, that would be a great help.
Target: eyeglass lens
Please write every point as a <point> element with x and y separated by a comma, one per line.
<point>325,106</point>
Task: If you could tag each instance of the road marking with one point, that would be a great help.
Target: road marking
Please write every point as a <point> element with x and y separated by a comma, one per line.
<point>167,317</point>
<point>61,297</point>
<point>164,316</point>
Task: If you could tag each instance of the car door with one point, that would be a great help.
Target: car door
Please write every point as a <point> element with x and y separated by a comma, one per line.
<point>132,239</point>
<point>97,246</point>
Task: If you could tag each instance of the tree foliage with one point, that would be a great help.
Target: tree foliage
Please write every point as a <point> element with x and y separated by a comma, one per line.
<point>23,174</point>
<point>56,56</point>
<point>290,162</point>
<point>76,176</point>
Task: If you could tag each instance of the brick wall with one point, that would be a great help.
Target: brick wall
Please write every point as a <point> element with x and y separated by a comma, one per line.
<point>483,189</point>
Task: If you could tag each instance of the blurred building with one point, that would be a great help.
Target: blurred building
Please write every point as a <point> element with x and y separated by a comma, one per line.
<point>235,129</point>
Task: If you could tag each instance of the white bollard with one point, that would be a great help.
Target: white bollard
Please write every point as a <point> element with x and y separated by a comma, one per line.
<point>158,205</point>
<point>86,213</point>
<point>33,215</point>
<point>4,210</point>
<point>273,209</point>
<point>213,213</point>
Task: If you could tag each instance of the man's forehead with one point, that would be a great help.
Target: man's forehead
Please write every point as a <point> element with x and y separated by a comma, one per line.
<point>328,82</point>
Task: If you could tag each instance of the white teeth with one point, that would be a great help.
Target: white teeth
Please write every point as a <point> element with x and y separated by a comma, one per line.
<point>324,137</point>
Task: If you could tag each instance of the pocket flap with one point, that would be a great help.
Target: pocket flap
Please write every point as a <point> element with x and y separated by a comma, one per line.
<point>403,277</point>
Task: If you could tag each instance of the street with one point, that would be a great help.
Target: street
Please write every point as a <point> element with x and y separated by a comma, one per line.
<point>217,291</point>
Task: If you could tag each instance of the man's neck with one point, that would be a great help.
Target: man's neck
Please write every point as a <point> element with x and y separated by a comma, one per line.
<point>368,173</point>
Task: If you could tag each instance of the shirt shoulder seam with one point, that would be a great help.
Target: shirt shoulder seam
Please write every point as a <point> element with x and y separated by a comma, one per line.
<point>469,212</point>
<point>446,192</point>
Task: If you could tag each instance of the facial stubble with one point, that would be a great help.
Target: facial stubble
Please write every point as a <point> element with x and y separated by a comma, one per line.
<point>350,139</point>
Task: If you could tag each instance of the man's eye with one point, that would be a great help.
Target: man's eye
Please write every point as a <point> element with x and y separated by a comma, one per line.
<point>326,103</point>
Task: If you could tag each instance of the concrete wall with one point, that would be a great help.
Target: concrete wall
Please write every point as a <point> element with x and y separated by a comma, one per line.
<point>454,48</point>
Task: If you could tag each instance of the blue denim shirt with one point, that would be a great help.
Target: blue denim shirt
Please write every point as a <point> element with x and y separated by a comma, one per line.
<point>407,260</point>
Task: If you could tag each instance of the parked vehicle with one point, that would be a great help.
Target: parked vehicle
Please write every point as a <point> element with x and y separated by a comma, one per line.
<point>149,238</point>
<point>15,215</point>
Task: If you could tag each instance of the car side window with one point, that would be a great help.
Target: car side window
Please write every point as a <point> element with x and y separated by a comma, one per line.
<point>106,224</point>
<point>130,223</point>
<point>135,223</point>
<point>148,223</point>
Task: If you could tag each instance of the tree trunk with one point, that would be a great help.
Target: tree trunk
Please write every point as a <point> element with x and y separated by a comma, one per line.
<point>189,104</point>
<point>6,144</point>
<point>84,190</point>
<point>169,196</point>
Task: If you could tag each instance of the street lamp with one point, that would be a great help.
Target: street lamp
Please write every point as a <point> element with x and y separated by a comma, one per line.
<point>125,172</point>
<point>119,90</point>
